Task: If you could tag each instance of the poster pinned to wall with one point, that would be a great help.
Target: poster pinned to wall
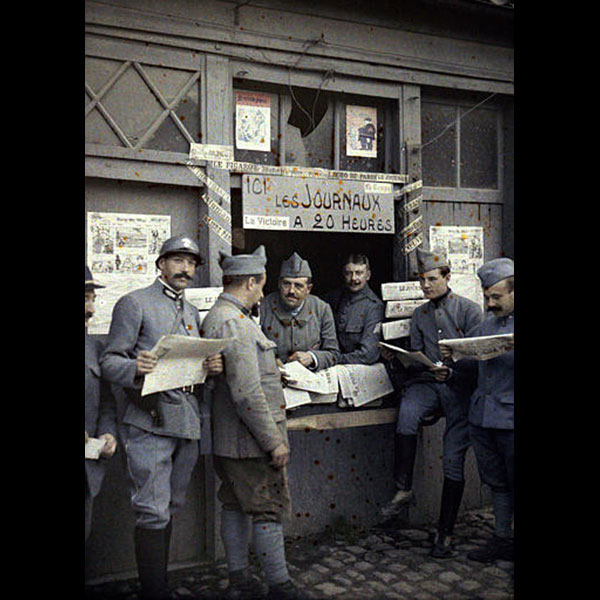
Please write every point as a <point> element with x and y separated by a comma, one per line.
<point>253,121</point>
<point>464,247</point>
<point>361,131</point>
<point>121,251</point>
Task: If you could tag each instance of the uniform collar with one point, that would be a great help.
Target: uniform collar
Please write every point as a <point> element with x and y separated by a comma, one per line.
<point>169,291</point>
<point>235,301</point>
<point>286,315</point>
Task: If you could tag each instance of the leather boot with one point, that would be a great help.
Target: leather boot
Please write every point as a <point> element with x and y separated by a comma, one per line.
<point>150,547</point>
<point>405,451</point>
<point>497,548</point>
<point>452,493</point>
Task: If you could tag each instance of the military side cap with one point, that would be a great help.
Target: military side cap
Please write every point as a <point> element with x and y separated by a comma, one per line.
<point>295,266</point>
<point>180,243</point>
<point>90,284</point>
<point>244,264</point>
<point>428,261</point>
<point>495,270</point>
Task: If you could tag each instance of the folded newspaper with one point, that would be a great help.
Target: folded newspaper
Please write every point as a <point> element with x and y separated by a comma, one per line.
<point>359,384</point>
<point>181,361</point>
<point>94,447</point>
<point>480,348</point>
<point>409,359</point>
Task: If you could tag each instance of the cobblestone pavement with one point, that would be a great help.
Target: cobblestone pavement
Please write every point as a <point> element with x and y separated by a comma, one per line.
<point>389,560</point>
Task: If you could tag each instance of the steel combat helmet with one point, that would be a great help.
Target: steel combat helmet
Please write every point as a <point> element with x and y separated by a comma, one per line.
<point>180,243</point>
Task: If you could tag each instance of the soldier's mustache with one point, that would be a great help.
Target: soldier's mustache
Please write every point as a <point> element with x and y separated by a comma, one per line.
<point>184,275</point>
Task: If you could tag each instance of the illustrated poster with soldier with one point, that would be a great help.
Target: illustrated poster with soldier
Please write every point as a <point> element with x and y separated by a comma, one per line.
<point>361,131</point>
<point>121,251</point>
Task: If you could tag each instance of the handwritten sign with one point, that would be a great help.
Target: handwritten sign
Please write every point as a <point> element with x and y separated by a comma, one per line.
<point>316,204</point>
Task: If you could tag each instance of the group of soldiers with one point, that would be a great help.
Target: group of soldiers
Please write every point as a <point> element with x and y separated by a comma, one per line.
<point>160,432</point>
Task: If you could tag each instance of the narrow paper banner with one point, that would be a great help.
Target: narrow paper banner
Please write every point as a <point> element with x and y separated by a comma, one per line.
<point>222,233</point>
<point>411,187</point>
<point>413,226</point>
<point>413,244</point>
<point>413,204</point>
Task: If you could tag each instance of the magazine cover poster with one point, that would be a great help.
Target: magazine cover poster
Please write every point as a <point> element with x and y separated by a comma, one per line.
<point>253,121</point>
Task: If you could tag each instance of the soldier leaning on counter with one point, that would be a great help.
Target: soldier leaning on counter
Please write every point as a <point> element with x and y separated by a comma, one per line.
<point>160,431</point>
<point>300,324</point>
<point>250,441</point>
<point>358,313</point>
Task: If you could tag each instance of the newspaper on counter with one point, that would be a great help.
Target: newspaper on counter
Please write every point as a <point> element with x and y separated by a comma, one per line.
<point>294,397</point>
<point>409,359</point>
<point>480,348</point>
<point>181,361</point>
<point>361,384</point>
<point>320,382</point>
<point>94,447</point>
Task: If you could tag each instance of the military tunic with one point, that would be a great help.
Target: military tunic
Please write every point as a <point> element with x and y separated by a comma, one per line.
<point>160,459</point>
<point>248,415</point>
<point>356,318</point>
<point>312,329</point>
<point>100,418</point>
<point>449,317</point>
<point>492,409</point>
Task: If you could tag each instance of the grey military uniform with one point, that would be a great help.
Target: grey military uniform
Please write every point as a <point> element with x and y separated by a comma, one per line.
<point>160,459</point>
<point>356,318</point>
<point>451,316</point>
<point>100,418</point>
<point>139,319</point>
<point>248,406</point>
<point>312,329</point>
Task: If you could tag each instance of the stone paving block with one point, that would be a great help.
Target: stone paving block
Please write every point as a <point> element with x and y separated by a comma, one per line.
<point>343,580</point>
<point>363,566</point>
<point>385,577</point>
<point>329,589</point>
<point>397,567</point>
<point>415,535</point>
<point>435,587</point>
<point>403,587</point>
<point>413,576</point>
<point>355,575</point>
<point>320,569</point>
<point>356,549</point>
<point>469,585</point>
<point>332,563</point>
<point>449,577</point>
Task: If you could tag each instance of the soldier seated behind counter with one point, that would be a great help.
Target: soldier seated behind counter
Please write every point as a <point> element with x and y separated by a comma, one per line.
<point>357,311</point>
<point>299,323</point>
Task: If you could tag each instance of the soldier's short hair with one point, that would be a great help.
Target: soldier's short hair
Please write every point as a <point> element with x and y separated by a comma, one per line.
<point>357,259</point>
<point>237,280</point>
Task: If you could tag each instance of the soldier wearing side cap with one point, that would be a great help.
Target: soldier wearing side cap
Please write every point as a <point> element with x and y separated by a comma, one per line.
<point>443,388</point>
<point>492,410</point>
<point>250,441</point>
<point>300,323</point>
<point>100,407</point>
<point>160,431</point>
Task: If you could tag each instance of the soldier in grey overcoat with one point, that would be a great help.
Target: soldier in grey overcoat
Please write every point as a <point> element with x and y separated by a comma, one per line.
<point>100,407</point>
<point>358,313</point>
<point>300,324</point>
<point>160,432</point>
<point>492,410</point>
<point>442,388</point>
<point>250,441</point>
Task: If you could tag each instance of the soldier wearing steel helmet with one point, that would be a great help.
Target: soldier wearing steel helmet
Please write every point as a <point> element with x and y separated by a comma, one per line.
<point>160,432</point>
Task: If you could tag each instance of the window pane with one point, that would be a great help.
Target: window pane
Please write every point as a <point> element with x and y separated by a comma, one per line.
<point>439,145</point>
<point>479,149</point>
<point>309,135</point>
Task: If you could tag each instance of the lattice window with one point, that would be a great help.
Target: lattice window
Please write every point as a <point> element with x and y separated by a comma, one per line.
<point>135,105</point>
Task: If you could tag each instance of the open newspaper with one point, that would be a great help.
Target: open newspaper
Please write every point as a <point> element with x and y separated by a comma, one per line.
<point>181,361</point>
<point>409,359</point>
<point>480,348</point>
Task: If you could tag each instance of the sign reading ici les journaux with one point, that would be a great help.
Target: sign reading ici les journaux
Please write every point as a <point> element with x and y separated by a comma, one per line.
<point>317,204</point>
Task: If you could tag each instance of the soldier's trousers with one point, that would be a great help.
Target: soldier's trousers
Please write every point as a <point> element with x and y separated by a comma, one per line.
<point>159,469</point>
<point>421,400</point>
